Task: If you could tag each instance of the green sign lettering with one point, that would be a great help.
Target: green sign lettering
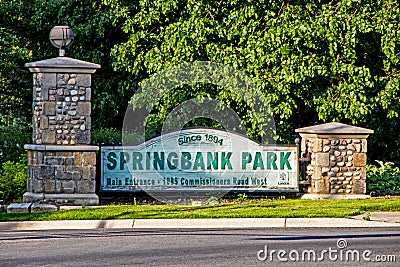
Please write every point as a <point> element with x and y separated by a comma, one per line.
<point>112,160</point>
<point>225,160</point>
<point>284,160</point>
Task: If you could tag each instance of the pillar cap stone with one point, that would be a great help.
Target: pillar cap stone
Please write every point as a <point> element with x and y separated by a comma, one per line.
<point>61,148</point>
<point>62,65</point>
<point>334,128</point>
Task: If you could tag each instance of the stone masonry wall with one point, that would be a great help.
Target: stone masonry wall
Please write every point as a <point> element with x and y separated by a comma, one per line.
<point>66,172</point>
<point>62,109</point>
<point>338,165</point>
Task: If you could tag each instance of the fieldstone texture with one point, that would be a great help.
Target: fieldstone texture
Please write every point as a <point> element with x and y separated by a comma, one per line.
<point>337,154</point>
<point>322,159</point>
<point>62,108</point>
<point>360,159</point>
<point>61,172</point>
<point>61,162</point>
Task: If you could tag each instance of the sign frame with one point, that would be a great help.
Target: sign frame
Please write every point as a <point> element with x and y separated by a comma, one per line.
<point>293,149</point>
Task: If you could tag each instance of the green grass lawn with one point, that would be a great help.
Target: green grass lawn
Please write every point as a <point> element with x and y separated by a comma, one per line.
<point>263,208</point>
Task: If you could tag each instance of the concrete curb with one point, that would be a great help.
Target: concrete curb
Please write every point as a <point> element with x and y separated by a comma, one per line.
<point>223,223</point>
<point>171,224</point>
<point>335,223</point>
<point>67,225</point>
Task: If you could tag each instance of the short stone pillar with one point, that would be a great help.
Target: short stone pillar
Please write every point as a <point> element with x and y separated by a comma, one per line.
<point>61,161</point>
<point>337,159</point>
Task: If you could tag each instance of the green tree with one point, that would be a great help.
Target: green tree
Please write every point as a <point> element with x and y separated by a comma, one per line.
<point>15,92</point>
<point>28,24</point>
<point>12,181</point>
<point>315,61</point>
<point>94,37</point>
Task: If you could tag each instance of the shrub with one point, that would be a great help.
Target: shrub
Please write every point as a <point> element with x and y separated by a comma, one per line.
<point>383,179</point>
<point>13,181</point>
<point>107,136</point>
<point>12,141</point>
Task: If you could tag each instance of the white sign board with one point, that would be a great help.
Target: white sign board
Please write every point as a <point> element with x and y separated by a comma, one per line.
<point>199,159</point>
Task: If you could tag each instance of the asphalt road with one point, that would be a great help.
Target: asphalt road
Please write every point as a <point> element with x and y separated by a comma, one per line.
<point>265,247</point>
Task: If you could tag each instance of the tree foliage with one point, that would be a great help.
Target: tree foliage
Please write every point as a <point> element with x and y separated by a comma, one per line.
<point>383,180</point>
<point>14,92</point>
<point>13,181</point>
<point>314,61</point>
<point>31,21</point>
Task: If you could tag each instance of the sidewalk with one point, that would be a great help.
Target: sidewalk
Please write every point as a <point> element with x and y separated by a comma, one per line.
<point>381,219</point>
<point>390,217</point>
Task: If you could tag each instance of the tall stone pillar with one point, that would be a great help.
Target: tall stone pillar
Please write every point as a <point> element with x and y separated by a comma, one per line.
<point>337,159</point>
<point>61,161</point>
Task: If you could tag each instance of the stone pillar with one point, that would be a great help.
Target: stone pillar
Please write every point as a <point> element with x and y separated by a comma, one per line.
<point>338,159</point>
<point>61,161</point>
